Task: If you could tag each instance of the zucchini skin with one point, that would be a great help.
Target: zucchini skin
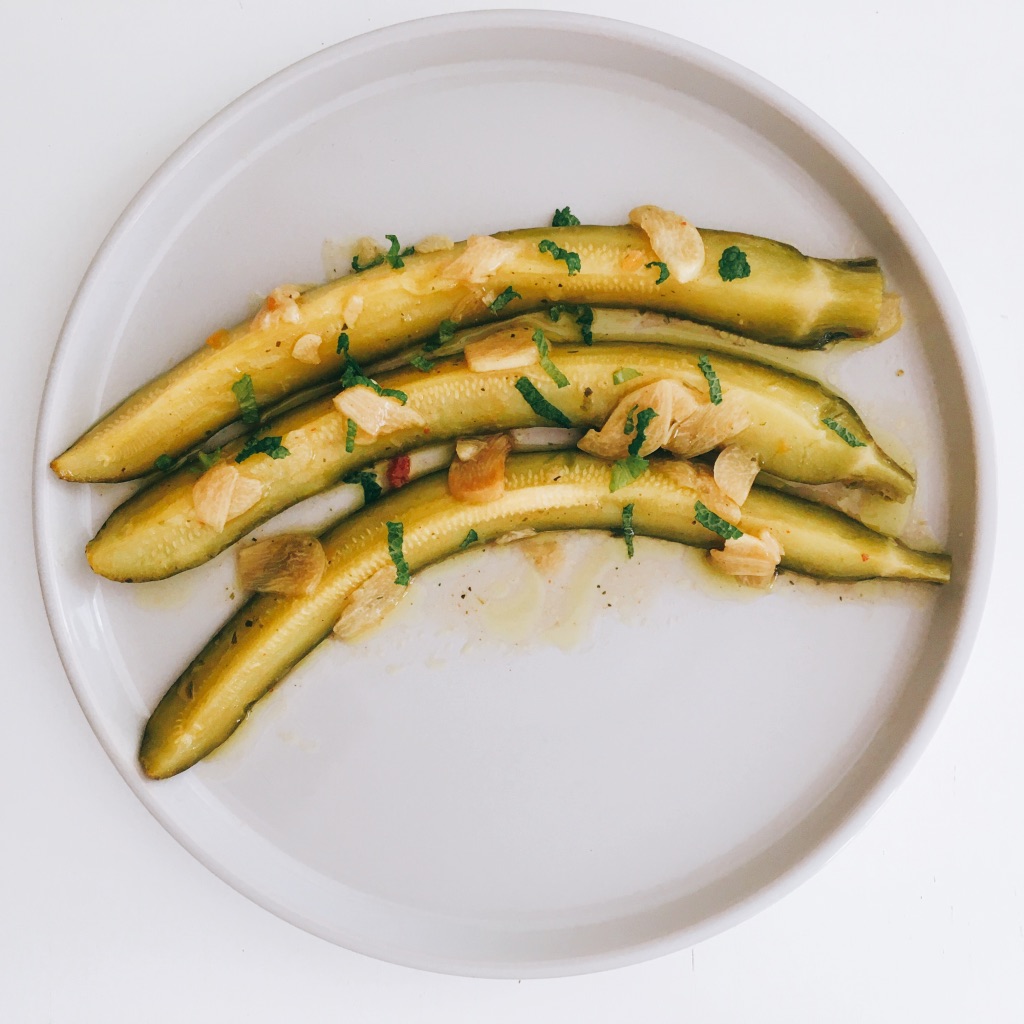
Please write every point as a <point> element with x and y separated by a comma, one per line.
<point>568,490</point>
<point>788,299</point>
<point>156,534</point>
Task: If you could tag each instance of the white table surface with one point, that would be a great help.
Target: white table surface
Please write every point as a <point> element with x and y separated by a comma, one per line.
<point>103,917</point>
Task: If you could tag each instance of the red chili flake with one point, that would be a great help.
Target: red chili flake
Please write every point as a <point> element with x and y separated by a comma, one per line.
<point>398,471</point>
<point>864,557</point>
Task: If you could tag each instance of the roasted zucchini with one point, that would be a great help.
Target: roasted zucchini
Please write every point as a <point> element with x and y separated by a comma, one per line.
<point>156,533</point>
<point>269,635</point>
<point>787,299</point>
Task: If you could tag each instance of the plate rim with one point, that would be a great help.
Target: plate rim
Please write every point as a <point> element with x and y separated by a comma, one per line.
<point>919,734</point>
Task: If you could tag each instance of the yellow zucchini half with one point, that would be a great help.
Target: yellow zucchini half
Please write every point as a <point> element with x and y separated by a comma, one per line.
<point>156,533</point>
<point>788,299</point>
<point>565,491</point>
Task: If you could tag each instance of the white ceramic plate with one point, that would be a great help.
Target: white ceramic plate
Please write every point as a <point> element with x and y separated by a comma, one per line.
<point>517,777</point>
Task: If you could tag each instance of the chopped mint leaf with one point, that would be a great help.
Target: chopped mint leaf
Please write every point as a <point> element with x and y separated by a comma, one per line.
<point>504,299</point>
<point>715,523</point>
<point>342,344</point>
<point>733,264</point>
<point>625,471</point>
<point>354,377</point>
<point>396,536</point>
<point>572,259</point>
<point>422,363</point>
<point>643,421</point>
<point>714,384</point>
<point>584,318</point>
<point>375,262</point>
<point>627,528</point>
<point>539,404</point>
<point>630,424</point>
<point>850,438</point>
<point>367,479</point>
<point>471,538</point>
<point>393,256</point>
<point>263,446</point>
<point>547,366</point>
<point>409,250</point>
<point>445,333</point>
<point>564,218</point>
<point>164,463</point>
<point>350,435</point>
<point>662,270</point>
<point>620,376</point>
<point>246,398</point>
<point>208,459</point>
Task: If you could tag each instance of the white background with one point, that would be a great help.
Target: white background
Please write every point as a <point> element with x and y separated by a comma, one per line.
<point>103,917</point>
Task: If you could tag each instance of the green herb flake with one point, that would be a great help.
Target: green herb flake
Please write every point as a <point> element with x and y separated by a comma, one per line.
<point>662,270</point>
<point>547,366</point>
<point>714,523</point>
<point>367,479</point>
<point>350,435</point>
<point>263,446</point>
<point>733,264</point>
<point>471,538</point>
<point>571,259</point>
<point>164,463</point>
<point>396,536</point>
<point>504,299</point>
<point>714,384</point>
<point>208,459</point>
<point>445,332</point>
<point>246,398</point>
<point>623,374</point>
<point>630,424</point>
<point>584,318</point>
<point>627,528</point>
<point>393,255</point>
<point>625,471</point>
<point>564,218</point>
<point>850,438</point>
<point>375,262</point>
<point>643,421</point>
<point>422,363</point>
<point>354,377</point>
<point>342,344</point>
<point>539,404</point>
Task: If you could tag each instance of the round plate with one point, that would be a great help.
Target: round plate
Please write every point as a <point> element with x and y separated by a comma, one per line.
<point>548,761</point>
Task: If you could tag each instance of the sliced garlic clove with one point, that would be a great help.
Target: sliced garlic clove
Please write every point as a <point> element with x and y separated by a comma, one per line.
<point>505,350</point>
<point>675,241</point>
<point>369,604</point>
<point>612,442</point>
<point>211,494</point>
<point>481,258</point>
<point>736,468</point>
<point>307,349</point>
<point>291,564</point>
<point>467,447</point>
<point>481,478</point>
<point>752,555</point>
<point>245,494</point>
<point>708,428</point>
<point>699,478</point>
<point>434,243</point>
<point>278,306</point>
<point>351,310</point>
<point>375,414</point>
